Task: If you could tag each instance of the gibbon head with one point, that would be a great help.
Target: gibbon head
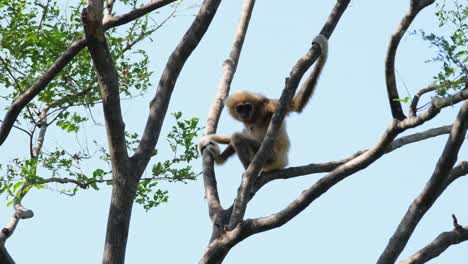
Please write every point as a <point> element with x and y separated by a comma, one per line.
<point>248,107</point>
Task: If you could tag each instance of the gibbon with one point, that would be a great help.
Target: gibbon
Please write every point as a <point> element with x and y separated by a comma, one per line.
<point>255,112</point>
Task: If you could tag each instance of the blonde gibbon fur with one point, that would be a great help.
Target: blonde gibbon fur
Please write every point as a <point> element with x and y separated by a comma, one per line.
<point>255,112</point>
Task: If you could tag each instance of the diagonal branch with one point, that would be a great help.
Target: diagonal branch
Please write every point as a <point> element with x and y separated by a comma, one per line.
<point>441,243</point>
<point>160,102</point>
<point>360,162</point>
<point>458,171</point>
<point>392,91</point>
<point>229,69</point>
<point>20,213</point>
<point>114,21</point>
<point>18,105</point>
<point>108,83</point>
<point>292,172</point>
<point>414,103</point>
<point>433,189</point>
<point>62,61</point>
<point>291,85</point>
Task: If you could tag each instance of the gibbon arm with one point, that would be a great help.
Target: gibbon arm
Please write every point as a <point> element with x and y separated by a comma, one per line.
<point>220,139</point>
<point>208,142</point>
<point>302,97</point>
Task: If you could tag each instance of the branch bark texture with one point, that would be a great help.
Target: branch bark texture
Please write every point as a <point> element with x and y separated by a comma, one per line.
<point>224,239</point>
<point>392,91</point>
<point>160,102</point>
<point>433,189</point>
<point>441,243</point>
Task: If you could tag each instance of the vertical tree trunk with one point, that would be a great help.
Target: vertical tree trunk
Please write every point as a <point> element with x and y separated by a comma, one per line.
<point>5,258</point>
<point>118,221</point>
<point>215,254</point>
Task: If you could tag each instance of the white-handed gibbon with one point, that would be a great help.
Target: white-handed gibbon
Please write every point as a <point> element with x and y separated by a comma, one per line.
<point>255,112</point>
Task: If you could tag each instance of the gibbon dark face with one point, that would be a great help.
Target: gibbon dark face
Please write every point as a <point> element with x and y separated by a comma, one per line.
<point>244,110</point>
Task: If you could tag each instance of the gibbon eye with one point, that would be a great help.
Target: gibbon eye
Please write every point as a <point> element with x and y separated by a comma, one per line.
<point>244,109</point>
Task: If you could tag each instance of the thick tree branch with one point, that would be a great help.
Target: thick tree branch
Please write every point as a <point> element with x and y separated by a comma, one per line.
<point>291,85</point>
<point>20,213</point>
<point>229,69</point>
<point>441,243</point>
<point>108,83</point>
<point>243,194</point>
<point>433,189</point>
<point>160,103</point>
<point>5,257</point>
<point>292,172</point>
<point>124,181</point>
<point>70,53</point>
<point>18,105</point>
<point>211,187</point>
<point>458,171</point>
<point>392,91</point>
<point>343,171</point>
<point>324,184</point>
<point>223,240</point>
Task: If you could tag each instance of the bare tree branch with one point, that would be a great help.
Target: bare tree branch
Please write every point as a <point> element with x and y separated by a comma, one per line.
<point>70,53</point>
<point>229,69</point>
<point>36,150</point>
<point>124,181</point>
<point>441,243</point>
<point>458,171</point>
<point>292,172</point>
<point>324,184</point>
<point>243,194</point>
<point>291,85</point>
<point>20,213</point>
<point>392,91</point>
<point>114,21</point>
<point>5,256</point>
<point>37,87</point>
<point>414,103</point>
<point>343,171</point>
<point>433,189</point>
<point>108,82</point>
<point>226,239</point>
<point>160,102</point>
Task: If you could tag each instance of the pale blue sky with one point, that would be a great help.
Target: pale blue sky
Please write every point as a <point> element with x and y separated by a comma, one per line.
<point>349,224</point>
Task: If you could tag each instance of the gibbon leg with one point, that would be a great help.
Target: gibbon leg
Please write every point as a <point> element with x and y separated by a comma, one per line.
<point>227,152</point>
<point>245,148</point>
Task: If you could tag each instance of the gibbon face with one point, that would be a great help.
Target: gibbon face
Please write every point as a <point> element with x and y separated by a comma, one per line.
<point>244,111</point>
<point>246,106</point>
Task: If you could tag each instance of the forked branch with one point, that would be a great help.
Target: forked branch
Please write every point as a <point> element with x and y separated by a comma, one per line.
<point>433,189</point>
<point>62,61</point>
<point>439,244</point>
<point>229,69</point>
<point>392,91</point>
<point>312,168</point>
<point>291,85</point>
<point>174,65</point>
<point>345,170</point>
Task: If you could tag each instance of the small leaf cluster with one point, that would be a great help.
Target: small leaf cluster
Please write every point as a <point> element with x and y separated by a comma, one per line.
<point>452,48</point>
<point>33,34</point>
<point>181,142</point>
